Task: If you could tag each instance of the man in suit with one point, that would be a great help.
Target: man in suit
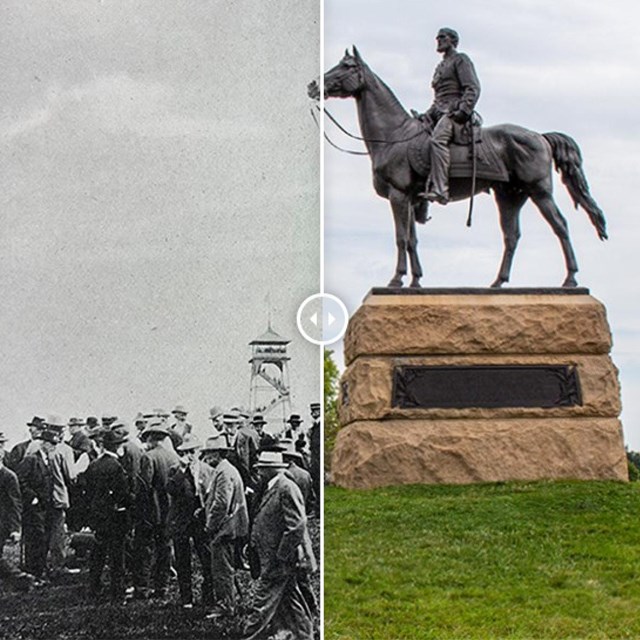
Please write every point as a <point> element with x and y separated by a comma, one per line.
<point>280,541</point>
<point>187,486</point>
<point>298,473</point>
<point>78,440</point>
<point>296,433</point>
<point>247,448</point>
<point>215,415</point>
<point>10,522</point>
<point>63,469</point>
<point>179,423</point>
<point>154,473</point>
<point>17,454</point>
<point>110,499</point>
<point>36,485</point>
<point>315,447</point>
<point>226,522</point>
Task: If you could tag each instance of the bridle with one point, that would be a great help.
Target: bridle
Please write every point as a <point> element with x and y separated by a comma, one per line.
<point>360,72</point>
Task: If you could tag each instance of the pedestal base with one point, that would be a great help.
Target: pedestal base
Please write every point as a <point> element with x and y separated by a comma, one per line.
<point>375,454</point>
<point>472,386</point>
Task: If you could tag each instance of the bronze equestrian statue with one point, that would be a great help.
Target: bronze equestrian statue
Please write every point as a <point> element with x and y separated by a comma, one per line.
<point>514,162</point>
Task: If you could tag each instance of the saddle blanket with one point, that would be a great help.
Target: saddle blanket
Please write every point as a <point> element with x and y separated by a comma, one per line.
<point>489,165</point>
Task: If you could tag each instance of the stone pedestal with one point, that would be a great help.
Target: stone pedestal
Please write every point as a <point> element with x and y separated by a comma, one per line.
<point>478,385</point>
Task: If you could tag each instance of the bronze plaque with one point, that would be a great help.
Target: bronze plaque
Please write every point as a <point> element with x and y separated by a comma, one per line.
<point>485,386</point>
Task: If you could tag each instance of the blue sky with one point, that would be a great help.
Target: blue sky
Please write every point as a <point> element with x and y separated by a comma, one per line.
<point>549,66</point>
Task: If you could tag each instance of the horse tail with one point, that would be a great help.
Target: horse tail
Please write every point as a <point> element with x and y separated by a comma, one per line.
<point>567,160</point>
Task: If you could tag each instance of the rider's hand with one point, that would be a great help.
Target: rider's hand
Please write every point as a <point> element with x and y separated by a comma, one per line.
<point>14,537</point>
<point>459,116</point>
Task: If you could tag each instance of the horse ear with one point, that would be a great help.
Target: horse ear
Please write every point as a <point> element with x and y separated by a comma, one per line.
<point>356,53</point>
<point>346,53</point>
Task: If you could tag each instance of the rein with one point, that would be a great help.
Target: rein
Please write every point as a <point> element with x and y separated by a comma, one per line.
<point>333,144</point>
<point>355,137</point>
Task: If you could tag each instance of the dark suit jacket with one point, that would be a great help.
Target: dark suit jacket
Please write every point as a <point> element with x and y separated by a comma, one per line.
<point>132,461</point>
<point>10,503</point>
<point>108,495</point>
<point>36,485</point>
<point>303,479</point>
<point>226,506</point>
<point>184,500</point>
<point>154,472</point>
<point>14,457</point>
<point>280,527</point>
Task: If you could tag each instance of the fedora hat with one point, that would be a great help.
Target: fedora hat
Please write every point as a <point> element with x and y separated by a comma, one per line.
<point>95,431</point>
<point>294,417</point>
<point>36,422</point>
<point>215,443</point>
<point>55,422</point>
<point>116,435</point>
<point>190,442</point>
<point>271,459</point>
<point>76,422</point>
<point>81,442</point>
<point>180,409</point>
<point>215,412</point>
<point>155,427</point>
<point>258,419</point>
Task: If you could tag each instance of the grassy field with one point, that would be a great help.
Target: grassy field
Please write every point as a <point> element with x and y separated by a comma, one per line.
<point>62,611</point>
<point>557,560</point>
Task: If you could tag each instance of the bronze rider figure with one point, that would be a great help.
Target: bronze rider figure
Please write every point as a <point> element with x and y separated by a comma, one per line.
<point>456,91</point>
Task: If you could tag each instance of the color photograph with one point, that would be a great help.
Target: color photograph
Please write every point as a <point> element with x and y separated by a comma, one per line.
<point>482,422</point>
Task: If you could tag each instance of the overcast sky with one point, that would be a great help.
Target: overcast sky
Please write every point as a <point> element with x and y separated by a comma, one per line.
<point>569,66</point>
<point>160,183</point>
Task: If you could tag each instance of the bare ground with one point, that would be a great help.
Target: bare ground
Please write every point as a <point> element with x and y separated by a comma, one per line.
<point>63,611</point>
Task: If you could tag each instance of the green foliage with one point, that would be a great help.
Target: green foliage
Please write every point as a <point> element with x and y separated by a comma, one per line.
<point>546,561</point>
<point>633,460</point>
<point>331,426</point>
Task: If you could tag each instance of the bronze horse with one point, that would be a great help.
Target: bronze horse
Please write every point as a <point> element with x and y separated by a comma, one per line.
<point>387,130</point>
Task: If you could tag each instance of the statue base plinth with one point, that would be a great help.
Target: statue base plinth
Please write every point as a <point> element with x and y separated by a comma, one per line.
<point>476,386</point>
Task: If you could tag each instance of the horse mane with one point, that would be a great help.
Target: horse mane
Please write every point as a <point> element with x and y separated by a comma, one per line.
<point>388,99</point>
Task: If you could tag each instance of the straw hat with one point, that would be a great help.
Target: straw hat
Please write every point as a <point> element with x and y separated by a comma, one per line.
<point>272,460</point>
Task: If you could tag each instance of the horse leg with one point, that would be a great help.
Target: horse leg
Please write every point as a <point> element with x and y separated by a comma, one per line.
<point>509,205</point>
<point>547,206</point>
<point>400,208</point>
<point>412,249</point>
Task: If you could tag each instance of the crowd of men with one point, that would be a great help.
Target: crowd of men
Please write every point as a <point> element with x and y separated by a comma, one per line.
<point>142,501</point>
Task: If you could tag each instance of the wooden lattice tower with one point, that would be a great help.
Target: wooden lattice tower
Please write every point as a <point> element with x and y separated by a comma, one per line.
<point>270,391</point>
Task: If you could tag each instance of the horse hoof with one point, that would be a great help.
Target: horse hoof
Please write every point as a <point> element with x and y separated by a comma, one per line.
<point>497,284</point>
<point>570,283</point>
<point>395,283</point>
<point>415,283</point>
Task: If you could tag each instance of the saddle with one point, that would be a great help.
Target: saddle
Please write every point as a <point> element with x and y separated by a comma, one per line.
<point>489,165</point>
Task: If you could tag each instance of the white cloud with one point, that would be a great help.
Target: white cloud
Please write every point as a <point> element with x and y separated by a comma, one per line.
<point>118,104</point>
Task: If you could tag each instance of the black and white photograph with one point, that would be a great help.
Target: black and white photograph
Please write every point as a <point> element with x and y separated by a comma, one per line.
<point>160,428</point>
<point>480,168</point>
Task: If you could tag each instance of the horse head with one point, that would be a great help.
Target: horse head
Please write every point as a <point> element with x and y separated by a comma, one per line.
<point>347,78</point>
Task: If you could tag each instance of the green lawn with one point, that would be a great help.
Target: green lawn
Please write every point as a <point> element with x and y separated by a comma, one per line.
<point>541,560</point>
